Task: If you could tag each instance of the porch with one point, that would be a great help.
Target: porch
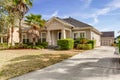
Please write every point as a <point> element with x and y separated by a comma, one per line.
<point>53,35</point>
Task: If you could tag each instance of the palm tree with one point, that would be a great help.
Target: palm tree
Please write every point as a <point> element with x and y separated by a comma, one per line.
<point>10,11</point>
<point>15,9</point>
<point>22,7</point>
<point>35,22</point>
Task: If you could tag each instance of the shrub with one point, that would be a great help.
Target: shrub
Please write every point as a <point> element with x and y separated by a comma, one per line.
<point>65,44</point>
<point>92,42</point>
<point>81,40</point>
<point>19,46</point>
<point>44,44</point>
<point>119,45</point>
<point>84,46</point>
<point>114,44</point>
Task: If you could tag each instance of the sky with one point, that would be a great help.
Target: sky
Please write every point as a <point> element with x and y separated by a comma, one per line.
<point>104,15</point>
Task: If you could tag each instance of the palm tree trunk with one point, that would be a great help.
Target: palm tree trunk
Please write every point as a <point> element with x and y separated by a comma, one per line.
<point>12,30</point>
<point>20,32</point>
<point>34,42</point>
<point>8,36</point>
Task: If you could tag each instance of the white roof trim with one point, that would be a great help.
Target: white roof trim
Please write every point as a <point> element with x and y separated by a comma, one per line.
<point>54,18</point>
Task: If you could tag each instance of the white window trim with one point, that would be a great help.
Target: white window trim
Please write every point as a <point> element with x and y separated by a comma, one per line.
<point>42,35</point>
<point>25,36</point>
<point>78,33</point>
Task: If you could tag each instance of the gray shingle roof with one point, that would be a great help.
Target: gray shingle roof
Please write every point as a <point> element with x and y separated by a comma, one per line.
<point>75,22</point>
<point>108,34</point>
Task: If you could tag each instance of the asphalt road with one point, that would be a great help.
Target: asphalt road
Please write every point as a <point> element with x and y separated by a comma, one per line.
<point>97,64</point>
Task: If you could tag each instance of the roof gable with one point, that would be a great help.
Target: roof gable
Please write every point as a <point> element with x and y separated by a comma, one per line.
<point>59,20</point>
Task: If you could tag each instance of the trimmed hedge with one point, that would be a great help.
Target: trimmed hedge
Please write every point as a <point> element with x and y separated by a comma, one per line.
<point>93,42</point>
<point>84,46</point>
<point>65,44</point>
<point>119,45</point>
<point>44,44</point>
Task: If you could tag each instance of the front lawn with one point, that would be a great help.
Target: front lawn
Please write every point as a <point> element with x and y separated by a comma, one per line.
<point>17,62</point>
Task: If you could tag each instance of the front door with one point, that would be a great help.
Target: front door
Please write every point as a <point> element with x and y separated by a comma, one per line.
<point>59,35</point>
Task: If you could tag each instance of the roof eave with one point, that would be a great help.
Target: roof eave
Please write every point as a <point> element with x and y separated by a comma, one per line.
<point>95,30</point>
<point>77,28</point>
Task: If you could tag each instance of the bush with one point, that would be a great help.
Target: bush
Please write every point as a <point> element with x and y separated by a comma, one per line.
<point>114,44</point>
<point>92,42</point>
<point>3,45</point>
<point>119,45</point>
<point>44,44</point>
<point>81,40</point>
<point>65,44</point>
<point>19,46</point>
<point>84,46</point>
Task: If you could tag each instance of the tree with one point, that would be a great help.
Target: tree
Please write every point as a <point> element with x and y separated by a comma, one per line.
<point>15,9</point>
<point>22,7</point>
<point>35,22</point>
<point>8,9</point>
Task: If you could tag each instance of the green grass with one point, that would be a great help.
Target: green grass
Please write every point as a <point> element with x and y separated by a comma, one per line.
<point>22,63</point>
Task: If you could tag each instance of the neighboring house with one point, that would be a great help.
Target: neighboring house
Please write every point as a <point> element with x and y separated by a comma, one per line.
<point>57,28</point>
<point>4,37</point>
<point>107,38</point>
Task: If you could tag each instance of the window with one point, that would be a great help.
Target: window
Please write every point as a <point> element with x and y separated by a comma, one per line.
<point>82,35</point>
<point>75,35</point>
<point>25,39</point>
<point>5,39</point>
<point>43,36</point>
<point>23,36</point>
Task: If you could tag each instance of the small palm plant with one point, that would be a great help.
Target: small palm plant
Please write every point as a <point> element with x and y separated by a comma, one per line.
<point>35,22</point>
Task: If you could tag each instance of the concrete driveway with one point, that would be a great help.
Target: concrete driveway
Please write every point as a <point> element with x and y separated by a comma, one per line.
<point>97,64</point>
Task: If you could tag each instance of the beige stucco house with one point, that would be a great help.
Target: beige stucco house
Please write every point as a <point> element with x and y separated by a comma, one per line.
<point>57,28</point>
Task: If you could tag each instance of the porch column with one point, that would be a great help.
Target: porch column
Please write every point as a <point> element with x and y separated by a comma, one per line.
<point>71,34</point>
<point>48,37</point>
<point>63,34</point>
<point>1,39</point>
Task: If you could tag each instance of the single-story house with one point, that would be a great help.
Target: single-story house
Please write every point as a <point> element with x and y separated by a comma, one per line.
<point>107,38</point>
<point>57,28</point>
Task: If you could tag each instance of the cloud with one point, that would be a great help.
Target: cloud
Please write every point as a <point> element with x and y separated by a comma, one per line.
<point>47,16</point>
<point>93,12</point>
<point>114,5</point>
<point>86,3</point>
<point>55,14</point>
